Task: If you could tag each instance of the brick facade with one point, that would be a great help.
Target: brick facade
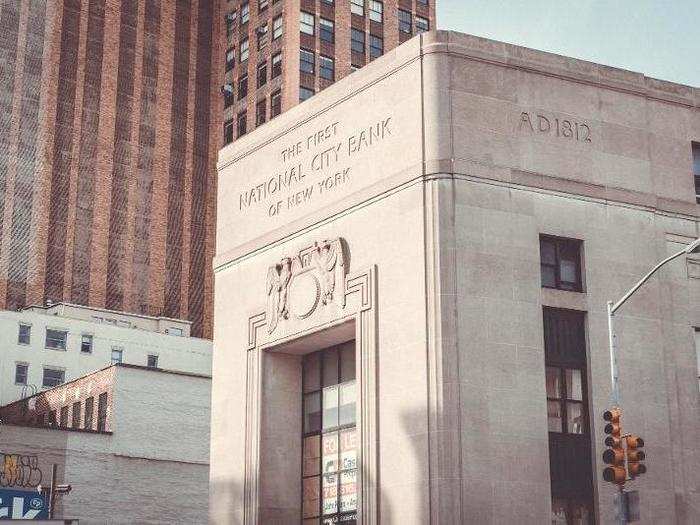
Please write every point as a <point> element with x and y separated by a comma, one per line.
<point>107,188</point>
<point>235,29</point>
<point>65,405</point>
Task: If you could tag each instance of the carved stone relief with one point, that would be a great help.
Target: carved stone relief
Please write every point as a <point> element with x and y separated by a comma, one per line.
<point>297,285</point>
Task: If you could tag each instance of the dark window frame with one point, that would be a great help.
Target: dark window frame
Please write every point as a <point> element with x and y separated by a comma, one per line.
<point>25,366</point>
<point>560,243</point>
<point>21,336</point>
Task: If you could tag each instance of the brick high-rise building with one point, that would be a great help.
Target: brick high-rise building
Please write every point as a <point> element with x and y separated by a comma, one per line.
<point>280,52</point>
<point>107,182</point>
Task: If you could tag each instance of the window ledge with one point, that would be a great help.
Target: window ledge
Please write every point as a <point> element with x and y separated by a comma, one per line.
<point>555,298</point>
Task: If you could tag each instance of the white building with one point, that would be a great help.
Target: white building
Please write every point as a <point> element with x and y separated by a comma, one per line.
<point>41,347</point>
<point>132,441</point>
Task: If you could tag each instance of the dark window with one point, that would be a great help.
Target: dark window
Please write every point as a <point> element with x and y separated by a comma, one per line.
<point>275,104</point>
<point>376,46</point>
<point>422,24</point>
<point>24,334</point>
<point>230,19</point>
<point>230,58</point>
<point>696,169</point>
<point>86,343</point>
<point>245,13</point>
<point>567,416</point>
<point>326,30</point>
<point>241,124</point>
<point>242,87</point>
<point>228,96</point>
<point>89,402</point>
<point>260,112</point>
<point>63,421</point>
<point>262,74</point>
<point>405,21</point>
<point>560,263</point>
<point>102,411</point>
<point>357,41</point>
<point>326,67</point>
<point>276,65</point>
<point>21,373</point>
<point>152,361</point>
<point>228,131</point>
<point>329,471</point>
<point>117,355</point>
<point>262,36</point>
<point>56,339</point>
<point>306,61</point>
<point>75,415</point>
<point>52,418</point>
<point>305,93</point>
<point>53,377</point>
<point>277,27</point>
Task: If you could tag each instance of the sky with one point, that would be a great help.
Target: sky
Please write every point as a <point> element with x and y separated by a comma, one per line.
<point>658,38</point>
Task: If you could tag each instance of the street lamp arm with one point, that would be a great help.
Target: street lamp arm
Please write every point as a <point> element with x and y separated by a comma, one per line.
<point>644,279</point>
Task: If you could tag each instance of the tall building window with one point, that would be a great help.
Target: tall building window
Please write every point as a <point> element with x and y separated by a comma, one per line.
<point>276,65</point>
<point>307,60</point>
<point>696,169</point>
<point>422,24</point>
<point>326,67</point>
<point>262,36</point>
<point>357,7</point>
<point>24,334</point>
<point>102,412</point>
<point>326,30</point>
<point>228,96</point>
<point>357,41</point>
<point>262,74</point>
<point>228,131</point>
<point>230,58</point>
<point>305,93</point>
<point>152,361</point>
<point>75,415</point>
<point>262,5</point>
<point>260,112</point>
<point>405,21</point>
<point>89,407</point>
<point>567,416</point>
<point>560,263</point>
<point>117,355</point>
<point>21,373</point>
<point>86,344</point>
<point>275,104</point>
<point>376,11</point>
<point>63,417</point>
<point>241,124</point>
<point>245,13</point>
<point>244,50</point>
<point>230,20</point>
<point>306,23</point>
<point>56,339</point>
<point>329,465</point>
<point>53,377</point>
<point>376,46</point>
<point>242,87</point>
<point>277,27</point>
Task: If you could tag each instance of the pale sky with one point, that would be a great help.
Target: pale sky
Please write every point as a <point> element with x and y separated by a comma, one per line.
<point>660,38</point>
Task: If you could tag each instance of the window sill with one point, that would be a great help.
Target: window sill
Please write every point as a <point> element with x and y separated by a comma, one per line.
<point>555,298</point>
<point>56,349</point>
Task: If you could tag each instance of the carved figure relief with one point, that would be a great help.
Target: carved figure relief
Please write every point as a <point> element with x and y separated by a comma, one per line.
<point>296,285</point>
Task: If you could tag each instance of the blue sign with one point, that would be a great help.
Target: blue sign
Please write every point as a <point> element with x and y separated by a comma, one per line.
<point>22,505</point>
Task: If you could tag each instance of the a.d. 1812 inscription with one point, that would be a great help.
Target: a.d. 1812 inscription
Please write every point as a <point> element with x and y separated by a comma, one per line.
<point>555,126</point>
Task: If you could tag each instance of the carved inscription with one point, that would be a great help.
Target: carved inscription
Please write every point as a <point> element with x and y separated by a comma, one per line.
<point>554,126</point>
<point>313,167</point>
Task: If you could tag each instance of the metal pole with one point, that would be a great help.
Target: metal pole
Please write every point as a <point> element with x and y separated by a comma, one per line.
<point>52,490</point>
<point>614,373</point>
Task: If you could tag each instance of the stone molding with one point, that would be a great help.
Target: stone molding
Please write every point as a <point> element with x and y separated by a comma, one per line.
<point>358,304</point>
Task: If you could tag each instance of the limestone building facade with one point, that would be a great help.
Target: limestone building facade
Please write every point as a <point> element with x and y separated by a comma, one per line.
<point>422,256</point>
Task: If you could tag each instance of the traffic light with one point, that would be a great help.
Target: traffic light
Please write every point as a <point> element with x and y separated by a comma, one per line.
<point>615,454</point>
<point>635,456</point>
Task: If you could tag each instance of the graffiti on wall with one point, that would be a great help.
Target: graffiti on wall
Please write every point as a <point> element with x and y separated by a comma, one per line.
<point>19,470</point>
